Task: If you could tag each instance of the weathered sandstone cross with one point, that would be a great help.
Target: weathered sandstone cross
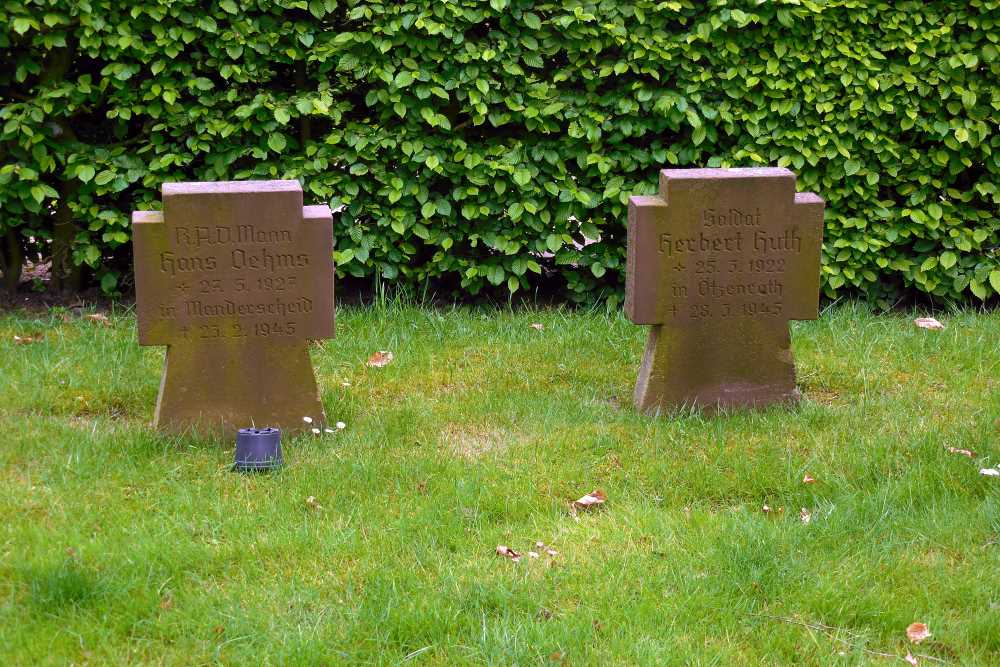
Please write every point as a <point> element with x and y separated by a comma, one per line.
<point>718,263</point>
<point>235,278</point>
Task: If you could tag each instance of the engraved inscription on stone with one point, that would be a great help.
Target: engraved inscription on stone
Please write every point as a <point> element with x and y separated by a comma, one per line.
<point>718,262</point>
<point>235,278</point>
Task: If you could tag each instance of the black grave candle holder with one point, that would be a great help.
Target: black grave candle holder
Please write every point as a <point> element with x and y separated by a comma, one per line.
<point>258,450</point>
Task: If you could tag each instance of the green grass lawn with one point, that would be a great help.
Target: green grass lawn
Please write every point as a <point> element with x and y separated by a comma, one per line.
<point>122,546</point>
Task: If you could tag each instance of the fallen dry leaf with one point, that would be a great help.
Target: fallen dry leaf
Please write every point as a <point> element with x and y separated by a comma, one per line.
<point>98,318</point>
<point>804,515</point>
<point>380,359</point>
<point>989,472</point>
<point>928,323</point>
<point>964,452</point>
<point>504,550</point>
<point>26,340</point>
<point>910,659</point>
<point>592,499</point>
<point>917,632</point>
<point>808,479</point>
<point>312,503</point>
<point>538,326</point>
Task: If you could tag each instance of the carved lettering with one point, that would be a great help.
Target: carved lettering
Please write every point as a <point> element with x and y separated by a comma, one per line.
<point>788,241</point>
<point>714,289</point>
<point>266,260</point>
<point>195,237</point>
<point>172,264</point>
<point>731,218</point>
<point>670,244</point>
<point>197,308</point>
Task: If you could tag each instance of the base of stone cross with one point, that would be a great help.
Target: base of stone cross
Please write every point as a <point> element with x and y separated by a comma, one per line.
<point>224,387</point>
<point>692,367</point>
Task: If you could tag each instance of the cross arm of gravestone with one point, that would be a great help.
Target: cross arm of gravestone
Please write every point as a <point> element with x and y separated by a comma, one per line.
<point>647,215</point>
<point>647,294</point>
<point>317,226</point>
<point>149,241</point>
<point>808,211</point>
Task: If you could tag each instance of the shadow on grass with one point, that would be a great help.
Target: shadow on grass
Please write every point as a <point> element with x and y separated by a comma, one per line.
<point>56,586</point>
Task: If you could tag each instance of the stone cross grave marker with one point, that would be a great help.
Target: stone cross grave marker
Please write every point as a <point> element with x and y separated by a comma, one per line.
<point>718,263</point>
<point>235,278</point>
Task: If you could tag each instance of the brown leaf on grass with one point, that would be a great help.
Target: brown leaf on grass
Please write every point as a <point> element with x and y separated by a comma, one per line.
<point>312,503</point>
<point>910,659</point>
<point>917,632</point>
<point>27,340</point>
<point>98,318</point>
<point>537,326</point>
<point>928,323</point>
<point>804,515</point>
<point>380,359</point>
<point>591,500</point>
<point>808,479</point>
<point>963,452</point>
<point>507,552</point>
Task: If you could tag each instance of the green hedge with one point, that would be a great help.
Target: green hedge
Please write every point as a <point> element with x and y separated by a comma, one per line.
<point>479,144</point>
